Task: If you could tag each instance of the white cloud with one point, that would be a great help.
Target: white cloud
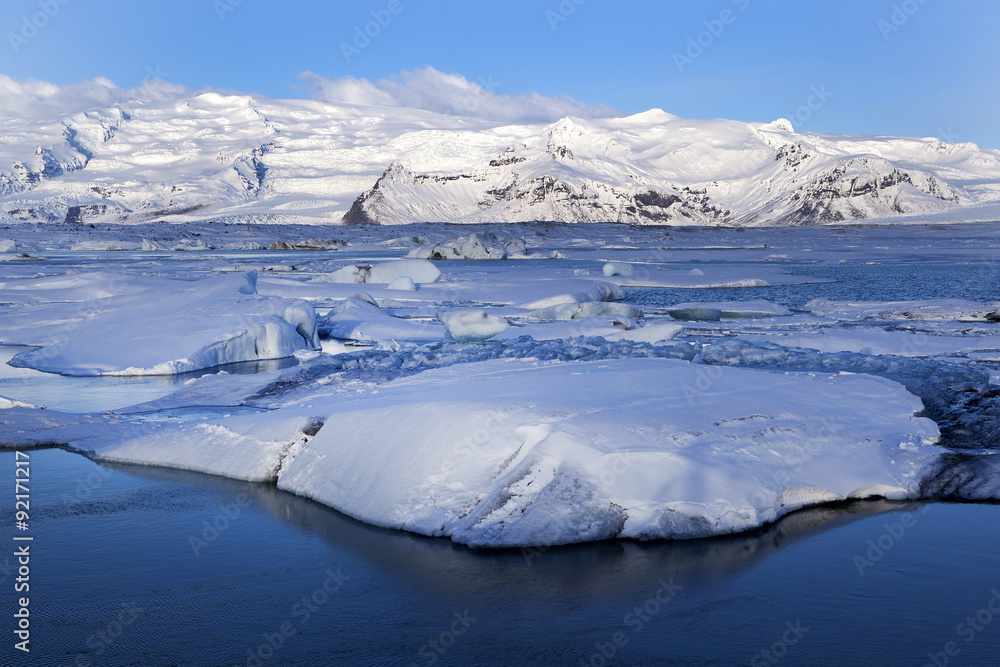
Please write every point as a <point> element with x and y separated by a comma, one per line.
<point>41,100</point>
<point>424,88</point>
<point>429,89</point>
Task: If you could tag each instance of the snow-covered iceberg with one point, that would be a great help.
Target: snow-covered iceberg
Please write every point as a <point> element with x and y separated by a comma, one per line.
<point>514,453</point>
<point>478,245</point>
<point>417,270</point>
<point>465,326</point>
<point>174,327</point>
<point>359,318</point>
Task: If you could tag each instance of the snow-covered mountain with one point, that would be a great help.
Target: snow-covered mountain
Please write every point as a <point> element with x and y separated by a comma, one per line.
<point>211,155</point>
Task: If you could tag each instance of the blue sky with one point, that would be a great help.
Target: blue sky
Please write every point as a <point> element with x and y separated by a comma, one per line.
<point>906,67</point>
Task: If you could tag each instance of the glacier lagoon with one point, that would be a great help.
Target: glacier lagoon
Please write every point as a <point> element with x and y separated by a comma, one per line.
<point>833,305</point>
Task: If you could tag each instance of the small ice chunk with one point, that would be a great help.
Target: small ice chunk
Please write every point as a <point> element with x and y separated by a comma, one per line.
<point>367,298</point>
<point>618,269</point>
<point>879,490</point>
<point>8,403</point>
<point>406,242</point>
<point>651,333</point>
<point>695,314</point>
<point>467,326</point>
<point>352,273</point>
<point>6,245</point>
<point>561,311</point>
<point>736,310</point>
<point>107,246</point>
<point>403,284</point>
<point>480,245</point>
<point>598,308</point>
<point>574,311</point>
<point>187,245</point>
<point>417,270</point>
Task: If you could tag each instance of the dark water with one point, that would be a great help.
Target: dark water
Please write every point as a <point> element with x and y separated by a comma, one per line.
<point>127,570</point>
<point>849,282</point>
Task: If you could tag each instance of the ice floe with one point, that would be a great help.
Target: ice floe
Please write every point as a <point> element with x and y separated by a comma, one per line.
<point>502,454</point>
<point>176,327</point>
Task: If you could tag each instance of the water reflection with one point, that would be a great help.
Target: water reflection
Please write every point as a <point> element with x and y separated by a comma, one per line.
<point>618,568</point>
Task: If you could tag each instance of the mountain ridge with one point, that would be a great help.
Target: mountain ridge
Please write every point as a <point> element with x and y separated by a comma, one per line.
<point>214,155</point>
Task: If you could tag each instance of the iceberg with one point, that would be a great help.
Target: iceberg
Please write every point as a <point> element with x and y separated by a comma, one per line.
<point>403,284</point>
<point>359,318</point>
<point>417,270</point>
<point>618,269</point>
<point>466,326</point>
<point>507,454</point>
<point>478,245</point>
<point>573,310</point>
<point>726,310</point>
<point>175,327</point>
